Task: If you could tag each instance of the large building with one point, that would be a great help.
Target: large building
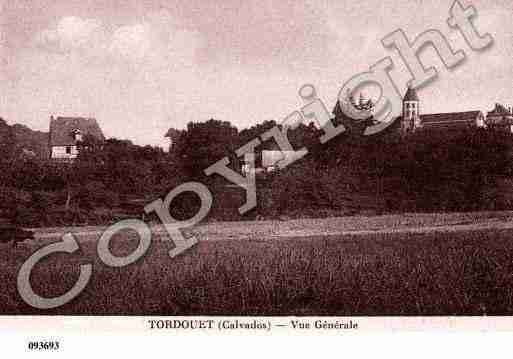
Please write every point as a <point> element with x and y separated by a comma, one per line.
<point>68,133</point>
<point>413,120</point>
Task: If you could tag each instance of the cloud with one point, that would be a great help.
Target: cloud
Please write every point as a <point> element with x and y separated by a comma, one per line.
<point>157,38</point>
<point>132,42</point>
<point>152,44</point>
<point>71,33</point>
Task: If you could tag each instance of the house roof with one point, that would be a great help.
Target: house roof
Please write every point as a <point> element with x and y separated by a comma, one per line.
<point>62,129</point>
<point>499,110</point>
<point>448,118</point>
<point>411,95</point>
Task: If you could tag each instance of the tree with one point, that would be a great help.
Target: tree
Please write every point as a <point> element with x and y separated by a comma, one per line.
<point>7,142</point>
<point>7,150</point>
<point>203,144</point>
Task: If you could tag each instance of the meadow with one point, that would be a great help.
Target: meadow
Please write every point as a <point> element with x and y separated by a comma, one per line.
<point>463,273</point>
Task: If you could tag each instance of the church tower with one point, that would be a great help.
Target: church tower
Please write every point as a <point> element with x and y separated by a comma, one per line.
<point>411,112</point>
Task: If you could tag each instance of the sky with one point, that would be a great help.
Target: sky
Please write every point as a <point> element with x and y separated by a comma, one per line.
<point>142,66</point>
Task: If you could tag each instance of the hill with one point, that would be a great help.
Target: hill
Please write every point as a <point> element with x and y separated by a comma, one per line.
<point>24,139</point>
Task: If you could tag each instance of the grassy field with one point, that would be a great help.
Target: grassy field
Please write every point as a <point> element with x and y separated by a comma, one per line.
<point>400,274</point>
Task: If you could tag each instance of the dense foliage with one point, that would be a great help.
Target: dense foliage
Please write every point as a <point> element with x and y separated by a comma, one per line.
<point>427,171</point>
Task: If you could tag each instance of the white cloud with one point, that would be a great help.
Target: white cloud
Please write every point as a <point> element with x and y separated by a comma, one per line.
<point>157,40</point>
<point>132,42</point>
<point>71,33</point>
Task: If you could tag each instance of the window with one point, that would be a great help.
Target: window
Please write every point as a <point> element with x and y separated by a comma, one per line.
<point>77,135</point>
<point>68,150</point>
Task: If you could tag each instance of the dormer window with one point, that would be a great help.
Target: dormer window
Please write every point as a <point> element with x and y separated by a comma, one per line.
<point>77,135</point>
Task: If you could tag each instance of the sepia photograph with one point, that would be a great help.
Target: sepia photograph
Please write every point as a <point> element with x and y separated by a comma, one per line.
<point>208,165</point>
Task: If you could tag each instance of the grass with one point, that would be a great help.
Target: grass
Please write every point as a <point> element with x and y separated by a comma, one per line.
<point>422,274</point>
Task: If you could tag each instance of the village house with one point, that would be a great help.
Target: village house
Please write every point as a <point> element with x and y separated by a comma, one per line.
<point>500,118</point>
<point>269,160</point>
<point>413,120</point>
<point>67,133</point>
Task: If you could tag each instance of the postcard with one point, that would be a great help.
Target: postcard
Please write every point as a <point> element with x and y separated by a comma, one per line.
<point>270,168</point>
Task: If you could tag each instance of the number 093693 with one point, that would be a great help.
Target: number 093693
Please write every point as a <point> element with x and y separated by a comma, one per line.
<point>43,345</point>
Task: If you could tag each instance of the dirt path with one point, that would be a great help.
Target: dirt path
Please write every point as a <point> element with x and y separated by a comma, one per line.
<point>357,225</point>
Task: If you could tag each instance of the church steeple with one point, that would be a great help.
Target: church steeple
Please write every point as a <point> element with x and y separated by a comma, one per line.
<point>411,111</point>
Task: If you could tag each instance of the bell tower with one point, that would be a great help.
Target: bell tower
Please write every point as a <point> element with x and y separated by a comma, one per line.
<point>411,112</point>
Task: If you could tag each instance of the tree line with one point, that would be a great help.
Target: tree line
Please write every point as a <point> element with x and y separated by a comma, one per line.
<point>351,174</point>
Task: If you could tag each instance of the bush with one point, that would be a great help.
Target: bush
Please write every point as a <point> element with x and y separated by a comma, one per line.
<point>95,194</point>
